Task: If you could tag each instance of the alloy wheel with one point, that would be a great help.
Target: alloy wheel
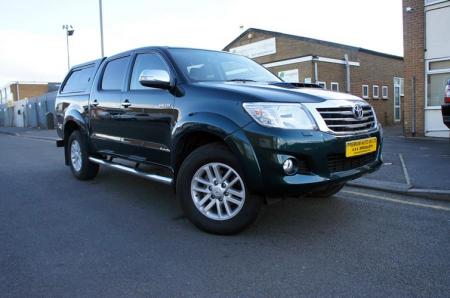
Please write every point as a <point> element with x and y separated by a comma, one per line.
<point>75,155</point>
<point>218,191</point>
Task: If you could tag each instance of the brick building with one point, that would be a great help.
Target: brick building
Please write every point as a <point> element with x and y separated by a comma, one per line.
<point>426,38</point>
<point>377,77</point>
<point>19,90</point>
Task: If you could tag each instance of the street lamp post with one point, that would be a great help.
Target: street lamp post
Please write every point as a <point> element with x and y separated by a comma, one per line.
<point>101,26</point>
<point>69,32</point>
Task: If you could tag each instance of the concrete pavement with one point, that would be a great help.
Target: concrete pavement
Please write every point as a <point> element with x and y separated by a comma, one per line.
<point>418,166</point>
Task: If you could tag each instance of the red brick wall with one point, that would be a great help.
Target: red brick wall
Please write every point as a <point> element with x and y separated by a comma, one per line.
<point>414,66</point>
<point>380,71</point>
<point>331,72</point>
<point>28,90</point>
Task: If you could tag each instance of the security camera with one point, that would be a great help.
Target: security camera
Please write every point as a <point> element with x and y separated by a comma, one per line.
<point>409,9</point>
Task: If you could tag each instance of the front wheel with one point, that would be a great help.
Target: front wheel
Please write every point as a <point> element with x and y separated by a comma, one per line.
<point>212,191</point>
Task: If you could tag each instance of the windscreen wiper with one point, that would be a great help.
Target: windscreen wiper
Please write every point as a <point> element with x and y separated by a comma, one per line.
<point>240,80</point>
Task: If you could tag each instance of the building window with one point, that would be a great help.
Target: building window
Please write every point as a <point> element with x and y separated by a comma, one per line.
<point>376,91</point>
<point>385,92</point>
<point>365,91</point>
<point>439,65</point>
<point>431,2</point>
<point>400,82</point>
<point>334,86</point>
<point>436,88</point>
<point>289,76</point>
<point>322,84</point>
<point>438,75</point>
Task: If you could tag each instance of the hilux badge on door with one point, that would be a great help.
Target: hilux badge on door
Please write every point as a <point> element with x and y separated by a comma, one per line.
<point>358,112</point>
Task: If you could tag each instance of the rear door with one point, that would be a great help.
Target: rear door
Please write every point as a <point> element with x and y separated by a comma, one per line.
<point>105,104</point>
<point>147,114</point>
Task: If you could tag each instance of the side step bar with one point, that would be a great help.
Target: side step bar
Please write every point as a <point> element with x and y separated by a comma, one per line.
<point>133,171</point>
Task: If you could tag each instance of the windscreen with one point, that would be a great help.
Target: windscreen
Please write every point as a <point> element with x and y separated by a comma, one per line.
<point>203,66</point>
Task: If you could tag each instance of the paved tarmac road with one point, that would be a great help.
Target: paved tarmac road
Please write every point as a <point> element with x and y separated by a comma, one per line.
<point>120,236</point>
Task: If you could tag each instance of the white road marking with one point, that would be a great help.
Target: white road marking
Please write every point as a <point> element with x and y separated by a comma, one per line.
<point>405,171</point>
<point>438,207</point>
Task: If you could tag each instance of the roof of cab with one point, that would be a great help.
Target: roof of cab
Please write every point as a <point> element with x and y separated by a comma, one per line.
<point>163,48</point>
<point>96,61</point>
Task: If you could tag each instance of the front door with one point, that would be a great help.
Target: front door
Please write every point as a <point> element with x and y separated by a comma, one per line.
<point>105,104</point>
<point>148,114</point>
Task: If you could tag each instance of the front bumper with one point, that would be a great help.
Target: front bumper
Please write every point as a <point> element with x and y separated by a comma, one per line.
<point>321,157</point>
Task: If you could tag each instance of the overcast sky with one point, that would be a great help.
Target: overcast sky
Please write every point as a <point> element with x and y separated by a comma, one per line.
<point>33,45</point>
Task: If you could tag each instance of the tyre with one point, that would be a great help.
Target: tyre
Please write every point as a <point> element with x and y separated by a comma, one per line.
<point>78,152</point>
<point>327,191</point>
<point>212,191</point>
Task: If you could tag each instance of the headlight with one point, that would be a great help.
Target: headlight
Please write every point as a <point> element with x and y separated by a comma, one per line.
<point>281,115</point>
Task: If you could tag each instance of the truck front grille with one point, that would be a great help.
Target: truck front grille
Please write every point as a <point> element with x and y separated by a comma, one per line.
<point>342,119</point>
<point>338,162</point>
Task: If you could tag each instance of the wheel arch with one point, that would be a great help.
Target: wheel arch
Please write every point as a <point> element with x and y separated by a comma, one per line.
<point>73,121</point>
<point>211,128</point>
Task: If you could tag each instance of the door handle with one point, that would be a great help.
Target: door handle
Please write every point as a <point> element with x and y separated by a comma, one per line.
<point>126,103</point>
<point>94,103</point>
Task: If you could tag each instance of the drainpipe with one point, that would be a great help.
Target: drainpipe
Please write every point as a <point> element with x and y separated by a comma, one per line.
<point>413,129</point>
<point>316,71</point>
<point>347,72</point>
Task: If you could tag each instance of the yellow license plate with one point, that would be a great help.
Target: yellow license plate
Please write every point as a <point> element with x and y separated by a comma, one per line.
<point>360,147</point>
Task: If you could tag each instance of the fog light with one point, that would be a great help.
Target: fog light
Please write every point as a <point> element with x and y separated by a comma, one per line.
<point>290,166</point>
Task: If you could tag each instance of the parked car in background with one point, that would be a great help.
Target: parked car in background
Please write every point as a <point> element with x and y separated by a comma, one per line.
<point>226,133</point>
<point>446,106</point>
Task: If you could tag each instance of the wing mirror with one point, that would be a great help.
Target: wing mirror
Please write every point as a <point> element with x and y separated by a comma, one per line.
<point>155,78</point>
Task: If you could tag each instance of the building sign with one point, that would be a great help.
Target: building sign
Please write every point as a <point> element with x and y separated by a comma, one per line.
<point>290,76</point>
<point>256,49</point>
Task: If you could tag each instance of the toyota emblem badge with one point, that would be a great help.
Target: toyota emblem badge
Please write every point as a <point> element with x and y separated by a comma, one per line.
<point>358,112</point>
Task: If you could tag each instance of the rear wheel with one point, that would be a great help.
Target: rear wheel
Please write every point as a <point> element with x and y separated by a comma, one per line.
<point>212,191</point>
<point>327,191</point>
<point>78,152</point>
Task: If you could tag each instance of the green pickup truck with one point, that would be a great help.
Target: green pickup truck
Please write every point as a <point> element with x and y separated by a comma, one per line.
<point>227,134</point>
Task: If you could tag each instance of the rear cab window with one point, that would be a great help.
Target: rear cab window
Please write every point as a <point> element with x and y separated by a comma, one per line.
<point>79,79</point>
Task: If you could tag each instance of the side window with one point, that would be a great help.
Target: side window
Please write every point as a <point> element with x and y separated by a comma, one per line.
<point>385,92</point>
<point>376,91</point>
<point>365,91</point>
<point>335,86</point>
<point>114,74</point>
<point>145,62</point>
<point>322,84</point>
<point>79,80</point>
